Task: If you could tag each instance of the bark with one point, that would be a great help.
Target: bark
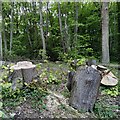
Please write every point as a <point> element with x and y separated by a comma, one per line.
<point>4,38</point>
<point>67,36</point>
<point>14,77</point>
<point>34,22</point>
<point>61,30</point>
<point>27,74</point>
<point>84,88</point>
<point>25,71</point>
<point>1,51</point>
<point>27,27</point>
<point>42,32</point>
<point>105,33</point>
<point>11,27</point>
<point>28,34</point>
<point>17,22</point>
<point>70,80</point>
<point>76,22</point>
<point>4,35</point>
<point>118,9</point>
<point>47,22</point>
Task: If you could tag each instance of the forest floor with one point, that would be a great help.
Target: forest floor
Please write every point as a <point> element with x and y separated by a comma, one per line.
<point>55,104</point>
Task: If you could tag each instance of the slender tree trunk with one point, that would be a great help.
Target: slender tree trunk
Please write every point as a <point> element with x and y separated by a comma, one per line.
<point>30,36</point>
<point>61,30</point>
<point>67,36</point>
<point>42,32</point>
<point>11,27</point>
<point>47,24</point>
<point>27,27</point>
<point>76,22</point>
<point>34,22</point>
<point>1,52</point>
<point>118,7</point>
<point>105,33</point>
<point>17,22</point>
<point>4,35</point>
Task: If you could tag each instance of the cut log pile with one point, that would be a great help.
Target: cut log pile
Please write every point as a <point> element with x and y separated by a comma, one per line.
<point>84,84</point>
<point>108,78</point>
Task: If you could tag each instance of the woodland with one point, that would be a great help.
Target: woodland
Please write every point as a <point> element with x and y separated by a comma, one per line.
<point>57,37</point>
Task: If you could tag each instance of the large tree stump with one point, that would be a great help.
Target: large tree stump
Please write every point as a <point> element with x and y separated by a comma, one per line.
<point>85,86</point>
<point>24,71</point>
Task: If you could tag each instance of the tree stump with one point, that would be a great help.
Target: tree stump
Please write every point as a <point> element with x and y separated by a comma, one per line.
<point>70,80</point>
<point>85,86</point>
<point>24,71</point>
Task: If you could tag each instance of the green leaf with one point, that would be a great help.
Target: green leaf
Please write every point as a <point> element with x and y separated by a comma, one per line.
<point>2,115</point>
<point>1,104</point>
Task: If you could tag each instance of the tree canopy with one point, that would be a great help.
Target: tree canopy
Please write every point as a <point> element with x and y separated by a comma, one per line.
<point>70,30</point>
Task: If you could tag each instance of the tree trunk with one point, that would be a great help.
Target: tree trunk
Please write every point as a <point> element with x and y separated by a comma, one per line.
<point>35,22</point>
<point>61,30</point>
<point>4,36</point>
<point>1,52</point>
<point>84,87</point>
<point>5,41</point>
<point>76,22</point>
<point>47,23</point>
<point>27,27</point>
<point>67,36</point>
<point>24,71</point>
<point>42,33</point>
<point>118,7</point>
<point>17,21</point>
<point>105,33</point>
<point>11,27</point>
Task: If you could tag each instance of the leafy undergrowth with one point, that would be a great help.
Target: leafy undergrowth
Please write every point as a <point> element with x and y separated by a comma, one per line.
<point>47,96</point>
<point>107,104</point>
